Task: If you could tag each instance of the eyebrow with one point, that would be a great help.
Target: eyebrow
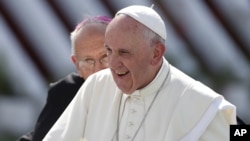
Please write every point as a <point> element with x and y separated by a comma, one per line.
<point>102,54</point>
<point>120,49</point>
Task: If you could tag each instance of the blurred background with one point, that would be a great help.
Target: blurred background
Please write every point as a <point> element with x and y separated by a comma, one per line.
<point>207,39</point>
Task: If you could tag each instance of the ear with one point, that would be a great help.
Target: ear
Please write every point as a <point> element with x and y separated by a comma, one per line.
<point>73,59</point>
<point>159,51</point>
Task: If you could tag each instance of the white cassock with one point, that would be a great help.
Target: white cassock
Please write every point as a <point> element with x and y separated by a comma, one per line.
<point>183,110</point>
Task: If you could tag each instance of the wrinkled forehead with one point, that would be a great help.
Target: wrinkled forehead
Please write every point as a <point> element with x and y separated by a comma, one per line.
<point>124,21</point>
<point>124,33</point>
<point>123,25</point>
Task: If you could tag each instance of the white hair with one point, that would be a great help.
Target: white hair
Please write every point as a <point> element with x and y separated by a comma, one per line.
<point>97,19</point>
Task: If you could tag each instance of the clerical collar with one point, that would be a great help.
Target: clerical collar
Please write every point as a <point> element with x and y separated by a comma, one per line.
<point>153,86</point>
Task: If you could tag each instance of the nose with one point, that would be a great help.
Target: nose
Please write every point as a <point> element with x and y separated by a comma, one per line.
<point>114,61</point>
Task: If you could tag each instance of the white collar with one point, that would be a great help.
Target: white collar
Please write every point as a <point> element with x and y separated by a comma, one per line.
<point>154,85</point>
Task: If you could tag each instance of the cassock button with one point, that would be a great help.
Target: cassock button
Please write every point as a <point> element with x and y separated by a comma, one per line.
<point>130,123</point>
<point>132,110</point>
<point>136,98</point>
<point>128,137</point>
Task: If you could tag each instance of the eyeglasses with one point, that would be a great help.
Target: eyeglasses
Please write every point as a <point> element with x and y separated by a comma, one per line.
<point>90,62</point>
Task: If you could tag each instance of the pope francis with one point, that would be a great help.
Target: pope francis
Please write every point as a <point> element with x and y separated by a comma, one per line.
<point>142,97</point>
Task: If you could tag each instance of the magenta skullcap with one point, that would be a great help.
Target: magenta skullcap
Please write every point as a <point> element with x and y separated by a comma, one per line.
<point>146,16</point>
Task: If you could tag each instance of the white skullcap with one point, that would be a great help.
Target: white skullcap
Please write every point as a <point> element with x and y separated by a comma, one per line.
<point>146,16</point>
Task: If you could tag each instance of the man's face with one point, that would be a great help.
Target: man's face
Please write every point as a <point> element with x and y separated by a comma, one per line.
<point>90,55</point>
<point>129,55</point>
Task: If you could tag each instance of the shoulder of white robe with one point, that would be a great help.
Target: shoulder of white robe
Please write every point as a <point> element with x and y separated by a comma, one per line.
<point>218,104</point>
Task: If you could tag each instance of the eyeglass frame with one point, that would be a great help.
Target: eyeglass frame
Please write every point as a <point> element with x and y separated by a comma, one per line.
<point>90,63</point>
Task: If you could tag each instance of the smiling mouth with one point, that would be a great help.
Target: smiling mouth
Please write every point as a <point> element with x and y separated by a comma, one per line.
<point>122,73</point>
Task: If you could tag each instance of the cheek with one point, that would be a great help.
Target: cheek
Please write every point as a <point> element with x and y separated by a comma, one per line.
<point>84,73</point>
<point>137,68</point>
<point>141,67</point>
<point>143,61</point>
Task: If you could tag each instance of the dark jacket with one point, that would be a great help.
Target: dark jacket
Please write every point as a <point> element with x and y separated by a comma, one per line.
<point>60,94</point>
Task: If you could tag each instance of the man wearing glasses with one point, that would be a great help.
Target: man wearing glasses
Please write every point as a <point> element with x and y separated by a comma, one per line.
<point>88,56</point>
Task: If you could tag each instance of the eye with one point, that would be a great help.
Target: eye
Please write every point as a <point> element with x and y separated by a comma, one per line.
<point>109,51</point>
<point>104,59</point>
<point>86,63</point>
<point>123,52</point>
<point>89,60</point>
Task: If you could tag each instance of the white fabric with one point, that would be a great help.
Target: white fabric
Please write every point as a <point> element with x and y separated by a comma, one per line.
<point>201,126</point>
<point>180,106</point>
<point>148,17</point>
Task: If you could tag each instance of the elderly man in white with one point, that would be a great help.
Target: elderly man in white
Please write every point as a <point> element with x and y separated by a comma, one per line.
<point>141,97</point>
